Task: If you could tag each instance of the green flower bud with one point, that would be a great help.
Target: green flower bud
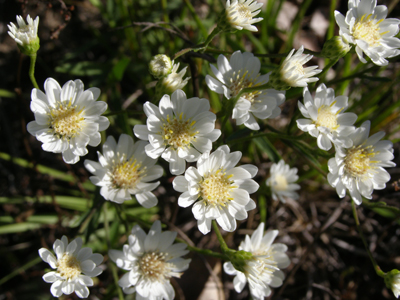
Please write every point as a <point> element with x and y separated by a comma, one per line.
<point>160,65</point>
<point>172,82</point>
<point>25,35</point>
<point>392,281</point>
<point>335,48</point>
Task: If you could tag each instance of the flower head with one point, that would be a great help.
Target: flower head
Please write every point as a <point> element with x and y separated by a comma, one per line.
<point>335,48</point>
<point>291,73</point>
<point>240,72</point>
<point>325,118</point>
<point>124,169</point>
<point>240,14</point>
<point>366,26</point>
<point>172,82</point>
<point>392,281</point>
<point>263,269</point>
<point>359,168</point>
<point>281,181</point>
<point>75,267</point>
<point>218,189</point>
<point>67,119</point>
<point>160,65</point>
<point>25,34</point>
<point>179,130</point>
<point>151,260</point>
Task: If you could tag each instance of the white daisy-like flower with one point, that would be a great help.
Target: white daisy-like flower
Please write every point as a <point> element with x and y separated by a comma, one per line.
<point>240,72</point>
<point>179,130</point>
<point>366,26</point>
<point>161,65</point>
<point>25,33</point>
<point>173,81</point>
<point>292,73</point>
<point>151,260</point>
<point>75,267</point>
<point>264,268</point>
<point>281,182</point>
<point>240,14</point>
<point>325,118</point>
<point>67,119</point>
<point>392,280</point>
<point>124,169</point>
<point>360,167</point>
<point>218,189</point>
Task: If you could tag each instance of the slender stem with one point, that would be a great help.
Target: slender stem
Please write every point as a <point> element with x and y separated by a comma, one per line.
<point>224,246</point>
<point>115,277</point>
<point>32,71</point>
<point>207,252</point>
<point>210,37</point>
<point>20,269</point>
<point>326,69</point>
<point>374,263</point>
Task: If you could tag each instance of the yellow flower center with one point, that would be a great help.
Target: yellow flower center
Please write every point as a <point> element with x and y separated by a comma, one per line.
<point>244,11</point>
<point>239,81</point>
<point>368,30</point>
<point>127,174</point>
<point>154,266</point>
<point>327,118</point>
<point>357,161</point>
<point>215,188</point>
<point>66,120</point>
<point>69,267</point>
<point>279,183</point>
<point>178,132</point>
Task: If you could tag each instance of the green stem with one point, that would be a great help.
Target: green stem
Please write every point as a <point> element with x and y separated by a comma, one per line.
<point>224,246</point>
<point>32,71</point>
<point>19,270</point>
<point>210,37</point>
<point>374,263</point>
<point>207,252</point>
<point>326,69</point>
<point>115,277</point>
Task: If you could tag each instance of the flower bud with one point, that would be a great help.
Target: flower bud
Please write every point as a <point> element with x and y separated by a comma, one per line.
<point>172,82</point>
<point>160,66</point>
<point>25,35</point>
<point>392,281</point>
<point>335,48</point>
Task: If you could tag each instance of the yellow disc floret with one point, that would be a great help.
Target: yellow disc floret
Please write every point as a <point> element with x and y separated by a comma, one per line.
<point>279,183</point>
<point>367,29</point>
<point>215,188</point>
<point>327,118</point>
<point>178,132</point>
<point>239,81</point>
<point>153,266</point>
<point>127,174</point>
<point>357,161</point>
<point>66,120</point>
<point>69,266</point>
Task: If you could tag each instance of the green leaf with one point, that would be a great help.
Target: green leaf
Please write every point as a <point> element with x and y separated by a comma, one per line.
<point>266,146</point>
<point>119,69</point>
<point>7,94</point>
<point>84,68</point>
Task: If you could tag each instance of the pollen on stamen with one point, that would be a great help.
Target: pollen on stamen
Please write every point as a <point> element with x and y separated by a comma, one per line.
<point>127,174</point>
<point>68,266</point>
<point>178,133</point>
<point>357,161</point>
<point>66,120</point>
<point>215,188</point>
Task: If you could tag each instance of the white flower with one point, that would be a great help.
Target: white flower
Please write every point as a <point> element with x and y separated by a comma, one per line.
<point>240,14</point>
<point>243,71</point>
<point>124,169</point>
<point>179,129</point>
<point>75,267</point>
<point>161,65</point>
<point>26,33</point>
<point>151,260</point>
<point>218,189</point>
<point>366,26</point>
<point>173,81</point>
<point>67,119</point>
<point>281,181</point>
<point>263,269</point>
<point>326,120</point>
<point>360,167</point>
<point>292,72</point>
<point>392,280</point>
